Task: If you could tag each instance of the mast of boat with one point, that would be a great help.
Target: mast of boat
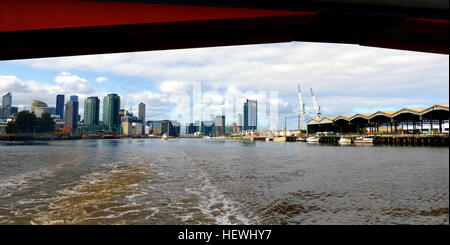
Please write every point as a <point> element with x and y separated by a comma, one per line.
<point>316,105</point>
<point>302,108</point>
<point>285,122</point>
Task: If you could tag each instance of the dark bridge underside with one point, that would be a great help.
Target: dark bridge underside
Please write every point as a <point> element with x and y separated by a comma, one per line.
<point>49,28</point>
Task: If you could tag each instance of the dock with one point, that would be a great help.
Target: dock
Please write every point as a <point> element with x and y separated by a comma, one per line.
<point>400,140</point>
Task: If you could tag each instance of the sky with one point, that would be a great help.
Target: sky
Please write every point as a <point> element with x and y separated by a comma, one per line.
<point>346,79</point>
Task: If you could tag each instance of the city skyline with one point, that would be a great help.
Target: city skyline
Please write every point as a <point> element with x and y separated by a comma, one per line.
<point>346,79</point>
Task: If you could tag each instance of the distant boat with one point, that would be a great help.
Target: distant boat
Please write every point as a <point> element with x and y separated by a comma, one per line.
<point>345,141</point>
<point>312,139</point>
<point>300,139</point>
<point>279,139</point>
<point>164,137</point>
<point>269,139</point>
<point>364,140</point>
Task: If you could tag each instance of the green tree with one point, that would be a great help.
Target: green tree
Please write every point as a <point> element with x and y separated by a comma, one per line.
<point>45,123</point>
<point>11,128</point>
<point>25,122</point>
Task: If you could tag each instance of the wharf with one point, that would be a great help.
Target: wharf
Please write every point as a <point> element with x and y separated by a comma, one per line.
<point>402,140</point>
<point>9,137</point>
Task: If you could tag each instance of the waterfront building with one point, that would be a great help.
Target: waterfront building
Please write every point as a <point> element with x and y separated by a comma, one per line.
<point>37,103</point>
<point>175,128</point>
<point>38,111</point>
<point>250,115</point>
<point>111,109</point>
<point>239,122</point>
<point>404,121</point>
<point>160,127</point>
<point>141,112</point>
<point>92,111</point>
<point>219,126</point>
<point>126,125</point>
<point>6,105</point>
<point>52,110</point>
<point>14,110</point>
<point>60,105</point>
<point>191,128</point>
<point>137,128</point>
<point>207,128</point>
<point>76,106</point>
<point>70,118</point>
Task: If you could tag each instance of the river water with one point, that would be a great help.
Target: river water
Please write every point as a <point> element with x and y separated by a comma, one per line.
<point>212,181</point>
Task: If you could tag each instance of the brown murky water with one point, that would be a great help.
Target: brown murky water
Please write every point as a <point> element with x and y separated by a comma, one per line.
<point>197,181</point>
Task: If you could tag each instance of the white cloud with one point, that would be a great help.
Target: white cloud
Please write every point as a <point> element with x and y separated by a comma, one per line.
<point>73,83</point>
<point>101,79</point>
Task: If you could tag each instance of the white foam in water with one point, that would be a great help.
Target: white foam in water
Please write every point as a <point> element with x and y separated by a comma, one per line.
<point>211,196</point>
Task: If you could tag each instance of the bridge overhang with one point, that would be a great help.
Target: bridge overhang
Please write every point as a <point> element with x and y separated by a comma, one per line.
<point>49,28</point>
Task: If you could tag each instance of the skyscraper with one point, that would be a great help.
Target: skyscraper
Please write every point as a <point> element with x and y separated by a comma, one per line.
<point>92,111</point>
<point>239,121</point>
<point>111,108</point>
<point>250,115</point>
<point>6,105</point>
<point>60,105</point>
<point>141,112</point>
<point>76,105</point>
<point>70,116</point>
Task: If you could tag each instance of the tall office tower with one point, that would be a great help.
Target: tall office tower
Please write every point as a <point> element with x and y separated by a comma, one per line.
<point>111,108</point>
<point>239,121</point>
<point>60,105</point>
<point>74,98</point>
<point>70,116</point>
<point>92,111</point>
<point>250,115</point>
<point>76,105</point>
<point>141,112</point>
<point>6,105</point>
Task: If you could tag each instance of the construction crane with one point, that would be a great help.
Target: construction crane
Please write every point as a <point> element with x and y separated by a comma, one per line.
<point>276,124</point>
<point>316,105</point>
<point>302,108</point>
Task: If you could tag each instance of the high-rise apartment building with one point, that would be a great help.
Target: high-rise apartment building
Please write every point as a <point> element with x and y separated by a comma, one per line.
<point>250,115</point>
<point>92,111</point>
<point>6,105</point>
<point>76,106</point>
<point>141,112</point>
<point>111,108</point>
<point>70,117</point>
<point>60,105</point>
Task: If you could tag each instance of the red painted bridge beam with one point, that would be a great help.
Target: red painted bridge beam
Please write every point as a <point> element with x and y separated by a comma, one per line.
<point>48,28</point>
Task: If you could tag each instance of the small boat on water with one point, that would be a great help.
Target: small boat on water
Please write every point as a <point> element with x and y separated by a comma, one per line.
<point>312,139</point>
<point>269,139</point>
<point>345,141</point>
<point>364,140</point>
<point>279,139</point>
<point>164,137</point>
<point>300,139</point>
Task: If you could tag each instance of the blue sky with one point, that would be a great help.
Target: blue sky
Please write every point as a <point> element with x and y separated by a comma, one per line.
<point>346,79</point>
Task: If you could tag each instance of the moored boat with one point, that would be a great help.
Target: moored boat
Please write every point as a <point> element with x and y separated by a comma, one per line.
<point>279,139</point>
<point>345,141</point>
<point>364,140</point>
<point>312,139</point>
